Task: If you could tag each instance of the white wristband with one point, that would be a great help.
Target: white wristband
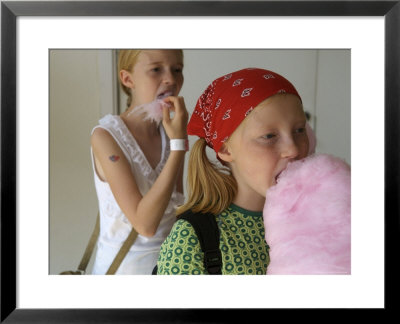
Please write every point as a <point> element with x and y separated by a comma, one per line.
<point>179,145</point>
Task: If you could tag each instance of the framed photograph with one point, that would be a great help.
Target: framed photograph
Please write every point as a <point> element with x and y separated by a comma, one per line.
<point>30,29</point>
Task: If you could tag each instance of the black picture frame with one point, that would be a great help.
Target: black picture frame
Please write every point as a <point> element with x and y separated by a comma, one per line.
<point>10,10</point>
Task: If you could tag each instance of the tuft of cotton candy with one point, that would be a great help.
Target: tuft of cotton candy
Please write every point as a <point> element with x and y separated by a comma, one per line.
<point>307,218</point>
<point>312,140</point>
<point>153,111</point>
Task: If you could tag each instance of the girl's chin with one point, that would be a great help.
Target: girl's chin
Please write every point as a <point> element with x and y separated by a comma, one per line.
<point>263,192</point>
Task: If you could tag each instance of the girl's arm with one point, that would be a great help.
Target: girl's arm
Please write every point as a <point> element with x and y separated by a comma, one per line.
<point>144,212</point>
<point>171,124</point>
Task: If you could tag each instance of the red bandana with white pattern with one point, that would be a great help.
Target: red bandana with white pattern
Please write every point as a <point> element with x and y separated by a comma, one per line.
<point>229,99</point>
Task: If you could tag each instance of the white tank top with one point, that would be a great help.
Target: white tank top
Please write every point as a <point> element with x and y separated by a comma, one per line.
<point>114,226</point>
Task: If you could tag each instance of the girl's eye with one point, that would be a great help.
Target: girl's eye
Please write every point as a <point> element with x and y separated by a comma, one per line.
<point>300,130</point>
<point>156,69</point>
<point>269,136</point>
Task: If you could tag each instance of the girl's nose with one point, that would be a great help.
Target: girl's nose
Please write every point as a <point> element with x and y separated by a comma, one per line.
<point>290,150</point>
<point>169,77</point>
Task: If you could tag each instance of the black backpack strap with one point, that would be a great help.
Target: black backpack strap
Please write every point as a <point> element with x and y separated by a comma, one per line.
<point>206,228</point>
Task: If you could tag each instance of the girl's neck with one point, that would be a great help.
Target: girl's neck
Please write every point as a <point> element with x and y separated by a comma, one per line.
<point>138,126</point>
<point>249,200</point>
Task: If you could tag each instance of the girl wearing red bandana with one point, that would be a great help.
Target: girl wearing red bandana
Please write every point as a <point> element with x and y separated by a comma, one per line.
<point>254,121</point>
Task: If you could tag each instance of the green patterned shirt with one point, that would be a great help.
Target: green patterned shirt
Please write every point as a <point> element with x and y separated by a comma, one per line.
<point>242,244</point>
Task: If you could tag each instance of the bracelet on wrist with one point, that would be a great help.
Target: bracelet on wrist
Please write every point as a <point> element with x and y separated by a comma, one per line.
<point>179,145</point>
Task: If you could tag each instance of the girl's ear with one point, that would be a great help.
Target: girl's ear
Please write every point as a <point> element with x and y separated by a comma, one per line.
<point>126,79</point>
<point>224,153</point>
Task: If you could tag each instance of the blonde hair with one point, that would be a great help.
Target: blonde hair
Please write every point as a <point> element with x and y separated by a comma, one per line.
<point>126,61</point>
<point>211,188</point>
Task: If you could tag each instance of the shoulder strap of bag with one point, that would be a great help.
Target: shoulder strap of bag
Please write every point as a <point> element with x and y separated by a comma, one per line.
<point>122,252</point>
<point>88,251</point>
<point>90,247</point>
<point>206,228</point>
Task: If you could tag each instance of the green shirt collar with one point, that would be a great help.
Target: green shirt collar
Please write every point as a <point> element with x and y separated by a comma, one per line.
<point>245,211</point>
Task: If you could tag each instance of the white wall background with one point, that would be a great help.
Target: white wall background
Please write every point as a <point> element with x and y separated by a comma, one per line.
<point>83,89</point>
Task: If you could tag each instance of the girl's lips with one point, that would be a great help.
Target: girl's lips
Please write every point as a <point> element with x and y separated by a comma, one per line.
<point>164,94</point>
<point>277,176</point>
<point>281,168</point>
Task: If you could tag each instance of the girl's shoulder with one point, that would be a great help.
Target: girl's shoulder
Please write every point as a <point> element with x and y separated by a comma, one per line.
<point>101,136</point>
<point>181,252</point>
<point>104,132</point>
<point>182,226</point>
<point>182,234</point>
<point>108,122</point>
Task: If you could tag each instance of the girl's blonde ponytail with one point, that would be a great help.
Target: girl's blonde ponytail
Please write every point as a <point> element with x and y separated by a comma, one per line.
<point>210,188</point>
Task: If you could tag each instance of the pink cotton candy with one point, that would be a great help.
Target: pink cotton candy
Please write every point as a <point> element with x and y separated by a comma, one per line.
<point>307,218</point>
<point>312,140</point>
<point>153,111</point>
